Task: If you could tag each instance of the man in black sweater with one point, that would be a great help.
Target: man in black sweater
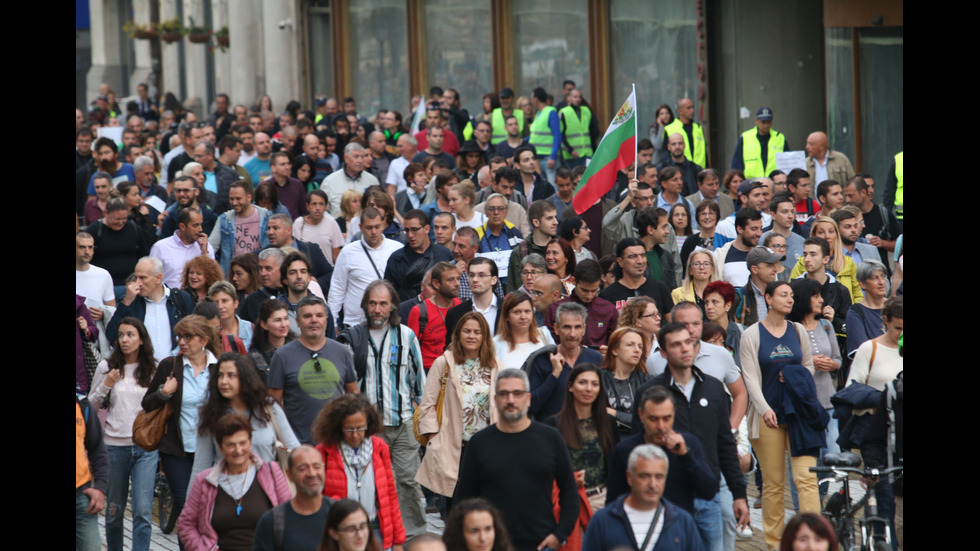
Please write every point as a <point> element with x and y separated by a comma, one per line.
<point>514,463</point>
<point>703,408</point>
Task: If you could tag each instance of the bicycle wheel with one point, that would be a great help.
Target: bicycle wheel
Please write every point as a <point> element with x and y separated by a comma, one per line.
<point>166,518</point>
<point>845,534</point>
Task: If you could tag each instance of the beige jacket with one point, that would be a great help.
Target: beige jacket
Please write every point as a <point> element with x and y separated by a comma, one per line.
<point>440,466</point>
<point>752,373</point>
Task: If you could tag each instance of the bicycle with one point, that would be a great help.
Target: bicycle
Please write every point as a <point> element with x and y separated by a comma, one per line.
<point>166,519</point>
<point>840,510</point>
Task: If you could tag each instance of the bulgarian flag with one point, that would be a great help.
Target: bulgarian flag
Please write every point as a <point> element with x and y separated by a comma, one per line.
<point>616,151</point>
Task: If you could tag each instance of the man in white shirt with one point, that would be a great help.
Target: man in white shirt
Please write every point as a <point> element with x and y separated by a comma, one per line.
<point>91,282</point>
<point>407,148</point>
<point>358,264</point>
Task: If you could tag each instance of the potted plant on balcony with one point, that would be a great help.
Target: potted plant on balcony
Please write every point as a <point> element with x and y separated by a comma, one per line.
<point>198,34</point>
<point>221,37</point>
<point>171,30</point>
<point>140,32</point>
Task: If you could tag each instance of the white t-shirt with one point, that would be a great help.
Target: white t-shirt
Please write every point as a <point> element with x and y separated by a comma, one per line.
<point>95,284</point>
<point>517,356</point>
<point>478,220</point>
<point>640,522</point>
<point>326,234</point>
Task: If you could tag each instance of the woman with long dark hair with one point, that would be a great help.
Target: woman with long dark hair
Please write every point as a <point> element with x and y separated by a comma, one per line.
<point>244,275</point>
<point>271,332</point>
<point>768,347</point>
<point>235,387</point>
<point>588,430</point>
<point>348,529</point>
<point>476,525</point>
<point>468,369</point>
<point>560,258</point>
<point>121,381</point>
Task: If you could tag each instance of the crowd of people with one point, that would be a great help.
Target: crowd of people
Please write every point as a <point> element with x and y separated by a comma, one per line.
<point>322,327</point>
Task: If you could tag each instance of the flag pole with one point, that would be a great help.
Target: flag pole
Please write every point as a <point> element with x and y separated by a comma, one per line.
<point>636,133</point>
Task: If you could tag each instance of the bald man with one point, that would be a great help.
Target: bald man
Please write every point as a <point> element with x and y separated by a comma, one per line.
<point>380,158</point>
<point>695,148</point>
<point>825,164</point>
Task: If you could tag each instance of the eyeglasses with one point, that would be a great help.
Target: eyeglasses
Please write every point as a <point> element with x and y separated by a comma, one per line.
<point>654,315</point>
<point>515,393</point>
<point>355,430</point>
<point>496,209</point>
<point>778,247</point>
<point>351,530</point>
<point>529,273</point>
<point>185,337</point>
<point>701,265</point>
<point>316,362</point>
<point>413,230</point>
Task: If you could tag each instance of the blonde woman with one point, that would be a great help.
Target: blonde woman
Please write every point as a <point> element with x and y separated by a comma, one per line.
<point>462,198</point>
<point>700,271</point>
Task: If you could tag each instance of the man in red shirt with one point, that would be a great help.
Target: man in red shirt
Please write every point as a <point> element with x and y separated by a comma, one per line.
<point>431,328</point>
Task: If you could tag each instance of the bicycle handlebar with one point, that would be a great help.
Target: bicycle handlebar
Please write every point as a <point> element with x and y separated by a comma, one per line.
<point>868,473</point>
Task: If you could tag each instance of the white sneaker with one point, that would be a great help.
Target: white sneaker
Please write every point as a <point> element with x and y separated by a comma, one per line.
<point>744,533</point>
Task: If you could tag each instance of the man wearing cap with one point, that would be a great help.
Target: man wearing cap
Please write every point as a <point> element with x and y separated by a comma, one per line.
<point>764,265</point>
<point>500,115</point>
<point>755,153</point>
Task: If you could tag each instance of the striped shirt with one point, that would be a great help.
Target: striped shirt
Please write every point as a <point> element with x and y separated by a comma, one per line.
<point>394,377</point>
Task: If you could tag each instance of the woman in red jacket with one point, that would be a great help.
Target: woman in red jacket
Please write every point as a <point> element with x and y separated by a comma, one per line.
<point>358,464</point>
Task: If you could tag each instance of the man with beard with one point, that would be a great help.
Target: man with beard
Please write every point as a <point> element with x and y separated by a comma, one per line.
<point>242,229</point>
<point>514,464</point>
<point>389,369</point>
<point>107,160</point>
<point>407,265</point>
<point>297,524</point>
<point>295,275</point>
<point>427,319</point>
<point>186,193</point>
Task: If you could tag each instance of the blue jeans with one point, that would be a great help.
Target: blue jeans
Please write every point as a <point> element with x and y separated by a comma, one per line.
<point>885,492</point>
<point>548,173</point>
<point>708,518</point>
<point>130,463</point>
<point>833,431</point>
<point>178,471</point>
<point>86,526</point>
<point>727,503</point>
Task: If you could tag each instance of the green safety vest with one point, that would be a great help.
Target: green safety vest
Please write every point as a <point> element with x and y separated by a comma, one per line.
<point>699,155</point>
<point>468,131</point>
<point>899,188</point>
<point>499,133</point>
<point>576,131</point>
<point>752,152</point>
<point>541,139</point>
